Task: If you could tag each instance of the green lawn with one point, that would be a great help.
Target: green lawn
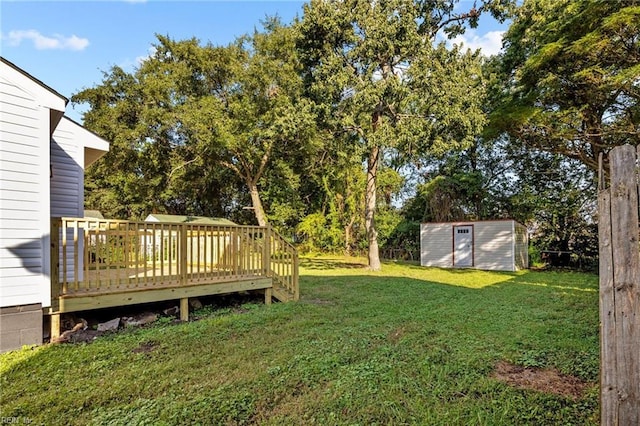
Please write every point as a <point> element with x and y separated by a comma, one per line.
<point>408,345</point>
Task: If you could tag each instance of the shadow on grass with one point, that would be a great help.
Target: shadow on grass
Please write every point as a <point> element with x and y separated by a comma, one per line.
<point>326,264</point>
<point>362,327</point>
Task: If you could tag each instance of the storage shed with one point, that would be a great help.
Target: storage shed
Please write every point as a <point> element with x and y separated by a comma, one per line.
<point>496,245</point>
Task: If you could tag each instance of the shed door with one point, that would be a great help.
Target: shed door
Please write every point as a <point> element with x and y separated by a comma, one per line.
<point>463,245</point>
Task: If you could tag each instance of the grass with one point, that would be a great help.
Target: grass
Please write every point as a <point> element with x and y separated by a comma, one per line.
<point>408,345</point>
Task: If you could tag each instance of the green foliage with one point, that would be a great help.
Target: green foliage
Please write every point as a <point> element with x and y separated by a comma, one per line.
<point>377,74</point>
<point>552,195</point>
<point>320,236</point>
<point>197,129</point>
<point>409,345</point>
<point>570,76</point>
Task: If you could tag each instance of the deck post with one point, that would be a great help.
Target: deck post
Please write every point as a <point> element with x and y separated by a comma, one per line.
<point>268,294</point>
<point>54,270</point>
<point>184,309</point>
<point>55,327</point>
<point>295,277</point>
<point>54,276</point>
<point>266,251</point>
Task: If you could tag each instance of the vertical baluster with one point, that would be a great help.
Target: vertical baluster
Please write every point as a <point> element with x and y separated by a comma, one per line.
<point>65,280</point>
<point>76,284</point>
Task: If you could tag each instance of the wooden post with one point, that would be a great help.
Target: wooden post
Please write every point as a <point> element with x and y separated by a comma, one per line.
<point>268,294</point>
<point>184,309</point>
<point>619,291</point>
<point>295,278</point>
<point>54,277</point>
<point>55,327</point>
<point>182,255</point>
<point>266,251</point>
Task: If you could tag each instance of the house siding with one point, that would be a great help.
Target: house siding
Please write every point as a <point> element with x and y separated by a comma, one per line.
<point>24,194</point>
<point>67,183</point>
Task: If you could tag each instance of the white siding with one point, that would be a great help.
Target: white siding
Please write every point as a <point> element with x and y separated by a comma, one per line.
<point>436,246</point>
<point>24,164</point>
<point>498,245</point>
<point>67,183</point>
<point>493,245</point>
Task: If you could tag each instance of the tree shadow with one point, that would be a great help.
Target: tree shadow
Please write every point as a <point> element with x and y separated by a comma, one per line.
<point>325,264</point>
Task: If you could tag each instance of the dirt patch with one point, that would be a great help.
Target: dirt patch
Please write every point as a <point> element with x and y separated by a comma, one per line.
<point>396,335</point>
<point>542,380</point>
<point>145,347</point>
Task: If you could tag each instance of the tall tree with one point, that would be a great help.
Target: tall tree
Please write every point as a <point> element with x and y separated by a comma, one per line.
<point>572,73</point>
<point>381,76</point>
<point>267,125</point>
<point>190,109</point>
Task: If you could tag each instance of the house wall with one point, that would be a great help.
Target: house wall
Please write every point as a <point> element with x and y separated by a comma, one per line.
<point>67,184</point>
<point>493,245</point>
<point>436,245</point>
<point>24,195</point>
<point>24,212</point>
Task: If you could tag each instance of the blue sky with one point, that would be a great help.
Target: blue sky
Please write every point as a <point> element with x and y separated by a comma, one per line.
<point>68,44</point>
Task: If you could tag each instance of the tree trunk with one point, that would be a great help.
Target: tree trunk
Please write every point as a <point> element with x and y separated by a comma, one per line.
<point>257,204</point>
<point>370,209</point>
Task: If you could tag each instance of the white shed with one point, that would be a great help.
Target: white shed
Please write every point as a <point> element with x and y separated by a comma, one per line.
<point>497,245</point>
<point>42,160</point>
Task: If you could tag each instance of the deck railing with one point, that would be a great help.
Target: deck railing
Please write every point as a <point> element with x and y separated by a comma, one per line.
<point>101,256</point>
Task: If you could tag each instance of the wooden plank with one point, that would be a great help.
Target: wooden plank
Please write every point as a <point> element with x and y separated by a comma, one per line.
<point>182,254</point>
<point>133,297</point>
<point>295,277</point>
<point>608,385</point>
<point>626,281</point>
<point>65,286</point>
<point>54,237</point>
<point>76,284</point>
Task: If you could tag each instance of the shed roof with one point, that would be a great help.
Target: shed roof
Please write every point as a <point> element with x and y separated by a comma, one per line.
<point>188,219</point>
<point>93,214</point>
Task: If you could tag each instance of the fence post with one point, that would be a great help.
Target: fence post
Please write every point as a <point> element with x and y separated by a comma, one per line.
<point>619,290</point>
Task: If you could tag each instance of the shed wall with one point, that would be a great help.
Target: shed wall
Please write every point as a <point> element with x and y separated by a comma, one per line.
<point>498,245</point>
<point>436,245</point>
<point>493,245</point>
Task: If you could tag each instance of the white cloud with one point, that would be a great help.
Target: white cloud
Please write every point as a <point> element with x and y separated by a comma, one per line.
<point>490,43</point>
<point>150,52</point>
<point>42,42</point>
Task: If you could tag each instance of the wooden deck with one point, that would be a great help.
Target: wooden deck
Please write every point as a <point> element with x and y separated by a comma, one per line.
<point>106,263</point>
